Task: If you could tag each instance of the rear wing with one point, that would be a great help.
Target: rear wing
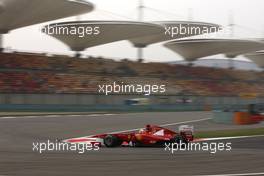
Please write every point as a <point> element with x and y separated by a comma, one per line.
<point>186,129</point>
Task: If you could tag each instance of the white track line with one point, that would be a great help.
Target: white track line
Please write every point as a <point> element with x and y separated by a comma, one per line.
<point>227,138</point>
<point>249,174</point>
<point>164,125</point>
<point>95,115</point>
<point>190,121</point>
<point>136,129</point>
<point>8,117</point>
<point>57,116</point>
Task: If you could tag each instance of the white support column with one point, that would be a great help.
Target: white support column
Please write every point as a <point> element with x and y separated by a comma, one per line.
<point>231,24</point>
<point>140,53</point>
<point>232,35</point>
<point>1,42</point>
<point>140,50</point>
<point>190,14</point>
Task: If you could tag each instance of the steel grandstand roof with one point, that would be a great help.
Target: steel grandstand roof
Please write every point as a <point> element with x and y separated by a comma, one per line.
<point>164,36</point>
<point>140,34</point>
<point>257,57</point>
<point>20,13</point>
<point>197,48</point>
<point>110,31</point>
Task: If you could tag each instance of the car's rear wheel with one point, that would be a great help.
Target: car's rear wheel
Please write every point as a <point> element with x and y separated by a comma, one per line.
<point>180,139</point>
<point>112,141</point>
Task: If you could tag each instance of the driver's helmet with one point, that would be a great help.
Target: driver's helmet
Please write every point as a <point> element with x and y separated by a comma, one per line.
<point>148,128</point>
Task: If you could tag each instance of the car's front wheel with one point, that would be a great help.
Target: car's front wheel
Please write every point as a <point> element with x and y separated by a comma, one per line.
<point>112,141</point>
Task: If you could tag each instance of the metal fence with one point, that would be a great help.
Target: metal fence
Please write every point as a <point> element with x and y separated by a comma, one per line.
<point>88,102</point>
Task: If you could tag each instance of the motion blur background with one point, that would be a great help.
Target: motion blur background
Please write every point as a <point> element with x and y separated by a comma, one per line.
<point>214,82</point>
<point>246,15</point>
<point>38,71</point>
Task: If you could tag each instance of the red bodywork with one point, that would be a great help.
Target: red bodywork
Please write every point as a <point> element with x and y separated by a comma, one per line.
<point>257,118</point>
<point>151,135</point>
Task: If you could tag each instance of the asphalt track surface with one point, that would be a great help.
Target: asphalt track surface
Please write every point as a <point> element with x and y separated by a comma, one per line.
<point>18,134</point>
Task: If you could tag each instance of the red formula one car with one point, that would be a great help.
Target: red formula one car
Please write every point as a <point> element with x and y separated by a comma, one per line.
<point>150,136</point>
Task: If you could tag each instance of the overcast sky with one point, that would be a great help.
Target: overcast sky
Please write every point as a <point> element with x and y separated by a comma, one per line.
<point>248,17</point>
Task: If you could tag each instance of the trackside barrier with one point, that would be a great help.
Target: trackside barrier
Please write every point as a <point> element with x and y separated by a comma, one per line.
<point>242,118</point>
<point>238,118</point>
<point>106,108</point>
<point>223,117</point>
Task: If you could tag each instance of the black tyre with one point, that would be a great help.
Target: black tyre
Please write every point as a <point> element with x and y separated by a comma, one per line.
<point>179,139</point>
<point>112,141</point>
<point>138,144</point>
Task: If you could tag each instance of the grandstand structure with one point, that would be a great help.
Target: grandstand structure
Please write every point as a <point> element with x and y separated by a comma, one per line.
<point>37,79</point>
<point>108,32</point>
<point>220,62</point>
<point>29,74</point>
<point>21,13</point>
<point>140,34</point>
<point>193,49</point>
<point>199,27</point>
